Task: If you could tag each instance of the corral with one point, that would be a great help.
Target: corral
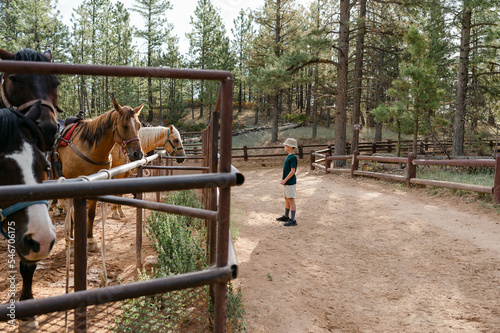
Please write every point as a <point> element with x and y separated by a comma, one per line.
<point>216,182</point>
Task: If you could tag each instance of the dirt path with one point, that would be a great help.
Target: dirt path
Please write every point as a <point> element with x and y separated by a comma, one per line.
<point>365,257</point>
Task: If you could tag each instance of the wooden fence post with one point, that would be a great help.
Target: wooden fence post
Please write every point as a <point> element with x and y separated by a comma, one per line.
<point>389,146</point>
<point>327,161</point>
<point>412,169</point>
<point>496,184</point>
<point>301,152</point>
<point>312,160</point>
<point>355,162</point>
<point>374,147</point>
<point>245,153</point>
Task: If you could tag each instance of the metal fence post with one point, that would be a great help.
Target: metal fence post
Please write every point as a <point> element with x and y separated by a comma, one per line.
<point>138,227</point>
<point>220,302</point>
<point>80,254</point>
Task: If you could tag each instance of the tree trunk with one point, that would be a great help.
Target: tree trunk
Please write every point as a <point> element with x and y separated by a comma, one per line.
<point>358,70</point>
<point>463,77</point>
<point>274,136</point>
<point>343,55</point>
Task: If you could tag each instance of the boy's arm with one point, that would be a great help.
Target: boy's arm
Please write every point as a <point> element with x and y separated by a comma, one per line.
<point>290,175</point>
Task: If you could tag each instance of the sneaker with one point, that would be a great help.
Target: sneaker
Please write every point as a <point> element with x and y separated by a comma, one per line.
<point>290,223</point>
<point>282,219</point>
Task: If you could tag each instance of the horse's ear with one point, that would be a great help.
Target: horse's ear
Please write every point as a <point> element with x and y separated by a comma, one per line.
<point>35,111</point>
<point>139,108</point>
<point>116,106</point>
<point>171,128</point>
<point>6,55</point>
<point>48,55</point>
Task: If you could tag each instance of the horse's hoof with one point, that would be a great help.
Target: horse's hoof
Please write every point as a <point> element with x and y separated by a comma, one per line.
<point>92,246</point>
<point>30,325</point>
<point>122,214</point>
<point>116,216</point>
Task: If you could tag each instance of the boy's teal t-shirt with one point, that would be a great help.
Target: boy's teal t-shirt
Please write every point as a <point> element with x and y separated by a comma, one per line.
<point>290,162</point>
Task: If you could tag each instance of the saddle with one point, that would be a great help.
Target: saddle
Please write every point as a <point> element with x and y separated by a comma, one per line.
<point>64,138</point>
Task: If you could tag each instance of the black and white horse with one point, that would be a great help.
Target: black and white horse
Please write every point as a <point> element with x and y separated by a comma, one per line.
<point>26,226</point>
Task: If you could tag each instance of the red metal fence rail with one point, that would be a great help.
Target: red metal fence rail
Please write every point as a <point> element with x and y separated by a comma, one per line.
<point>217,275</point>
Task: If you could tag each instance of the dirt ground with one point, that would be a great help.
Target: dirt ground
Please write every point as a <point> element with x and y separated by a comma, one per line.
<point>366,256</point>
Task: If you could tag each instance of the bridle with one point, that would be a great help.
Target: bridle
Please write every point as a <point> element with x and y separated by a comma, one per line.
<point>14,209</point>
<point>171,144</point>
<point>26,105</point>
<point>125,143</point>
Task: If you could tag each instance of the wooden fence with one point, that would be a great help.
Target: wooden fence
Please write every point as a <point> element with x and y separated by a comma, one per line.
<point>425,147</point>
<point>325,158</point>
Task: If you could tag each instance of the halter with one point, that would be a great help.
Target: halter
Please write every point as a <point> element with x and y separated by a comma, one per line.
<point>125,143</point>
<point>14,209</point>
<point>26,105</point>
<point>168,141</point>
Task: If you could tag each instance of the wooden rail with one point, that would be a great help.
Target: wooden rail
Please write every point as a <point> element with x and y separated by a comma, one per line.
<point>411,170</point>
<point>370,148</point>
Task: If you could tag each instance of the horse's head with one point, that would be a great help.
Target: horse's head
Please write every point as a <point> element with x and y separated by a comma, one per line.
<point>27,226</point>
<point>21,91</point>
<point>173,144</point>
<point>126,130</point>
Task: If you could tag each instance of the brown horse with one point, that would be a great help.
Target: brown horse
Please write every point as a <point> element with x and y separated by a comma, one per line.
<point>21,91</point>
<point>87,149</point>
<point>151,137</point>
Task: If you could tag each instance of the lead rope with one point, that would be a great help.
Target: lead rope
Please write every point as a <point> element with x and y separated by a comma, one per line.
<point>104,276</point>
<point>69,241</point>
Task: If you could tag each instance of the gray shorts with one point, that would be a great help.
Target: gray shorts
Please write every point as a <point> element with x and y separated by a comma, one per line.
<point>289,191</point>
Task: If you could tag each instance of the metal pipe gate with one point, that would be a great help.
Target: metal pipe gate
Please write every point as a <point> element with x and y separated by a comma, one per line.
<point>94,186</point>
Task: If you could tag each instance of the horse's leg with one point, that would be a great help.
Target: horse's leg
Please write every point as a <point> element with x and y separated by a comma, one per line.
<point>122,214</point>
<point>116,210</point>
<point>27,270</point>
<point>91,243</point>
<point>28,324</point>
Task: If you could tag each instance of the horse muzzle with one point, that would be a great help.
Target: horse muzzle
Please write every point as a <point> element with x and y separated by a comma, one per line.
<point>40,236</point>
<point>135,155</point>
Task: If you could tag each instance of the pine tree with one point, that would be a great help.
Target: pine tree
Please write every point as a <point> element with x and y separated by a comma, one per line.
<point>209,47</point>
<point>242,35</point>
<point>156,32</point>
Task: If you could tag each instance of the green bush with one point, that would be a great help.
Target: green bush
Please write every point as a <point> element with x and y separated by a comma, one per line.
<point>179,242</point>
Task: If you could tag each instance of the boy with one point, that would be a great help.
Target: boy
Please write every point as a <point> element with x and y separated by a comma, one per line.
<point>289,181</point>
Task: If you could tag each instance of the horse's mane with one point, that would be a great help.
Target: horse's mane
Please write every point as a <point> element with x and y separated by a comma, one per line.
<point>12,127</point>
<point>29,55</point>
<point>151,135</point>
<point>93,130</point>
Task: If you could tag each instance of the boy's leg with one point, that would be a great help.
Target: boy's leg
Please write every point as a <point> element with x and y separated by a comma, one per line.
<point>285,217</point>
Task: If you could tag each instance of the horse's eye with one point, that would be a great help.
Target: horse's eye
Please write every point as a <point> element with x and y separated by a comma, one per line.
<point>176,140</point>
<point>12,78</point>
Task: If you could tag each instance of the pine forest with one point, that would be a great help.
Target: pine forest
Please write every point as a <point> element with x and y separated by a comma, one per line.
<point>425,68</point>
